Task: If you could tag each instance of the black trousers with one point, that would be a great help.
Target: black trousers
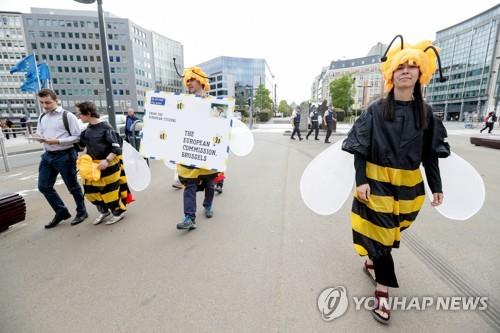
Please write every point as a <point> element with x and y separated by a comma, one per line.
<point>329,129</point>
<point>384,270</point>
<point>488,126</point>
<point>296,129</point>
<point>314,127</point>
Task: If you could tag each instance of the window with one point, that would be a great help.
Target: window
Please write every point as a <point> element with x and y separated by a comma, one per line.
<point>33,46</point>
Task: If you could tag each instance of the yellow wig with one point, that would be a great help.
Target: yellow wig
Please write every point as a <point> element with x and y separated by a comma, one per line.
<point>197,74</point>
<point>414,55</point>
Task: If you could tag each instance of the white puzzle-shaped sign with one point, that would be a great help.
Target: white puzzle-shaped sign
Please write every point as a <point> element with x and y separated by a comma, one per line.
<point>186,129</point>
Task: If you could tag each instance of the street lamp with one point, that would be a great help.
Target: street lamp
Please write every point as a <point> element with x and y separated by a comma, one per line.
<point>105,62</point>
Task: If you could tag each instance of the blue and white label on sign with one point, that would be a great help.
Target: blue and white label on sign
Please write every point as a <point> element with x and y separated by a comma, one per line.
<point>157,101</point>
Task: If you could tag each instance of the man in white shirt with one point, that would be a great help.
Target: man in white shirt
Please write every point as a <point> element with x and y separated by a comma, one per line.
<point>59,157</point>
<point>329,119</point>
<point>314,118</point>
<point>296,123</point>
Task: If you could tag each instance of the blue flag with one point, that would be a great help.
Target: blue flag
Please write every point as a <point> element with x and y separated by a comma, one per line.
<point>43,71</point>
<point>30,85</point>
<point>27,64</point>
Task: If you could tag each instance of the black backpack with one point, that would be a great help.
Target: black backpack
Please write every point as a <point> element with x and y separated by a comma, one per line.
<point>76,145</point>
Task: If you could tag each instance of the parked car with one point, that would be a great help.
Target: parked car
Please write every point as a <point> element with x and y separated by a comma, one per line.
<point>121,121</point>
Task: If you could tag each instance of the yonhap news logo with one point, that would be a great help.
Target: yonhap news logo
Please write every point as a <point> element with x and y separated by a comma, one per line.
<point>333,303</point>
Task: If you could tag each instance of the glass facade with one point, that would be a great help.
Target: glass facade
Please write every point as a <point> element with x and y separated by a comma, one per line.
<point>236,76</point>
<point>468,52</point>
<point>164,50</point>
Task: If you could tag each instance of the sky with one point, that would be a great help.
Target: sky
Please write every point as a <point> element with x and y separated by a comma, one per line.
<point>297,38</point>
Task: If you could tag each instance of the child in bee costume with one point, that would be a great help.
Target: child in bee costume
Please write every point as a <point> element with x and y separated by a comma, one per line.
<point>389,142</point>
<point>195,179</point>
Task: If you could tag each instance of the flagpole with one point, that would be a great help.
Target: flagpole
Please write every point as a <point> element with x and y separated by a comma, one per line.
<point>39,86</point>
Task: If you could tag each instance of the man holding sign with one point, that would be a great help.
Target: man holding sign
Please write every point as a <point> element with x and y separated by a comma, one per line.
<point>191,131</point>
<point>196,81</point>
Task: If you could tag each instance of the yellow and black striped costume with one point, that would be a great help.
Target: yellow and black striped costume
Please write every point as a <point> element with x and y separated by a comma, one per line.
<point>111,189</point>
<point>388,155</point>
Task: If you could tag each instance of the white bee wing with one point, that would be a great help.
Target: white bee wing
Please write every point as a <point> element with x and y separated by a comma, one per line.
<point>242,141</point>
<point>463,188</point>
<point>136,168</point>
<point>328,180</point>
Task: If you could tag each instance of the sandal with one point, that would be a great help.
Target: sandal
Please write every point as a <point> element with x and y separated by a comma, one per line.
<point>366,268</point>
<point>378,306</point>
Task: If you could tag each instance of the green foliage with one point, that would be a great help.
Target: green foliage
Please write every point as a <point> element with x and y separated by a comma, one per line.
<point>261,99</point>
<point>264,116</point>
<point>341,91</point>
<point>284,108</point>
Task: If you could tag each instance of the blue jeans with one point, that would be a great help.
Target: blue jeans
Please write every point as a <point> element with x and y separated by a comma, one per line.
<point>190,196</point>
<point>63,163</point>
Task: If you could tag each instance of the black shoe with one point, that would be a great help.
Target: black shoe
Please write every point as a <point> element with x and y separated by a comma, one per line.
<point>328,142</point>
<point>307,137</point>
<point>57,219</point>
<point>316,139</point>
<point>301,139</point>
<point>292,138</point>
<point>79,219</point>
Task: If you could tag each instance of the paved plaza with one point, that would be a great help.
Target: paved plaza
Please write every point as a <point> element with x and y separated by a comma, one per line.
<point>257,266</point>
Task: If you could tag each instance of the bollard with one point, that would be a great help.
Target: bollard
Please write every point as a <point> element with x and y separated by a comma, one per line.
<point>4,152</point>
<point>135,139</point>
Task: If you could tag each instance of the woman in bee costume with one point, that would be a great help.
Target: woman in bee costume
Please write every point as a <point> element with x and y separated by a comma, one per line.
<point>389,142</point>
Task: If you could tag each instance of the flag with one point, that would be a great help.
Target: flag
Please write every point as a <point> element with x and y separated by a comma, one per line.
<point>43,71</point>
<point>30,85</point>
<point>27,64</point>
<point>44,74</point>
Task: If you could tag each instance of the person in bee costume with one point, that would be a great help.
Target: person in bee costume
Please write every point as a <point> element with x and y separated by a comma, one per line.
<point>389,142</point>
<point>195,179</point>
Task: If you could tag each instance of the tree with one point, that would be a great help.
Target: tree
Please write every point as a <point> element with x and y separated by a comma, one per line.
<point>341,91</point>
<point>284,109</point>
<point>261,99</point>
<point>304,106</point>
<point>240,104</point>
